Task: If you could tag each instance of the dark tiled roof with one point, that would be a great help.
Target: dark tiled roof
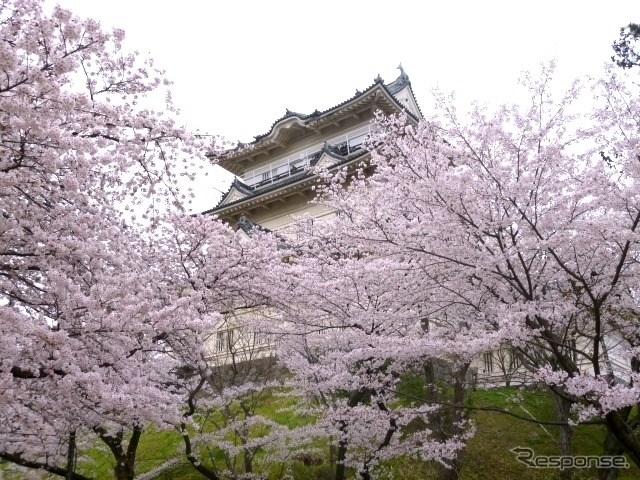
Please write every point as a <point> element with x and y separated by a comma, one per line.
<point>333,151</point>
<point>330,150</point>
<point>392,88</point>
<point>238,185</point>
<point>247,226</point>
<point>399,83</point>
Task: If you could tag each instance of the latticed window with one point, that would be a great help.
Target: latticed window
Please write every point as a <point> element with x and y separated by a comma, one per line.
<point>515,359</point>
<point>488,362</point>
<point>261,338</point>
<point>224,340</point>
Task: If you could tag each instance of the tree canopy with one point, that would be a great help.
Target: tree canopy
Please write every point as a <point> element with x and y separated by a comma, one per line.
<point>510,228</point>
<point>516,228</point>
<point>626,55</point>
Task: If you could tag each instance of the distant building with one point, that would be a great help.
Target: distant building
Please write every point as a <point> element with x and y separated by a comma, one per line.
<point>274,178</point>
<point>274,173</point>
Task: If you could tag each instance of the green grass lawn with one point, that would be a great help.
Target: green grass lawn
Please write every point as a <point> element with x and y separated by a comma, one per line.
<point>487,455</point>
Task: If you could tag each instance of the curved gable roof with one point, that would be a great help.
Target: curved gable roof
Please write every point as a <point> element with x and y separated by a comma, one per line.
<point>303,121</point>
<point>239,193</point>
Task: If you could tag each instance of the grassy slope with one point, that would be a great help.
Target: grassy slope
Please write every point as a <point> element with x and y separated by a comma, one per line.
<point>487,455</point>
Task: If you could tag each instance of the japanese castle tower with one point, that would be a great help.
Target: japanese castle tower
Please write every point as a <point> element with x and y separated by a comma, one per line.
<point>274,177</point>
<point>273,174</point>
<point>273,184</point>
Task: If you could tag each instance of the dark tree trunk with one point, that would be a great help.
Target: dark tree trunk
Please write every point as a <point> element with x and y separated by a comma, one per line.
<point>365,473</point>
<point>622,434</point>
<point>188,449</point>
<point>625,435</point>
<point>454,423</point>
<point>248,461</point>
<point>342,453</point>
<point>193,460</point>
<point>446,424</point>
<point>430,380</point>
<point>71,455</point>
<point>562,409</point>
<point>125,459</point>
<point>611,447</point>
<point>354,399</point>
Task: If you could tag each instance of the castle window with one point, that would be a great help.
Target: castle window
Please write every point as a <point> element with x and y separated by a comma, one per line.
<point>260,338</point>
<point>224,341</point>
<point>355,143</point>
<point>515,359</point>
<point>488,362</point>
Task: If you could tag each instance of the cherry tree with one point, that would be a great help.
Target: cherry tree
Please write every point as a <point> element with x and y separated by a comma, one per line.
<point>214,274</point>
<point>514,228</point>
<point>351,326</point>
<point>84,330</point>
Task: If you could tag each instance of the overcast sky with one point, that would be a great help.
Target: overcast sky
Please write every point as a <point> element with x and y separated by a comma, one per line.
<point>236,65</point>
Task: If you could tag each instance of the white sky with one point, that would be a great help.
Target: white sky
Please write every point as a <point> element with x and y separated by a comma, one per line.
<point>237,64</point>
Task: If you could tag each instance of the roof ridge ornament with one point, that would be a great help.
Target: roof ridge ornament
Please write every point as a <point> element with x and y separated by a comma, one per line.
<point>403,74</point>
<point>378,79</point>
<point>399,83</point>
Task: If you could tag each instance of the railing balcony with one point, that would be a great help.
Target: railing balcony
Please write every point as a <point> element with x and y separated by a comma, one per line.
<point>300,161</point>
<point>275,172</point>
